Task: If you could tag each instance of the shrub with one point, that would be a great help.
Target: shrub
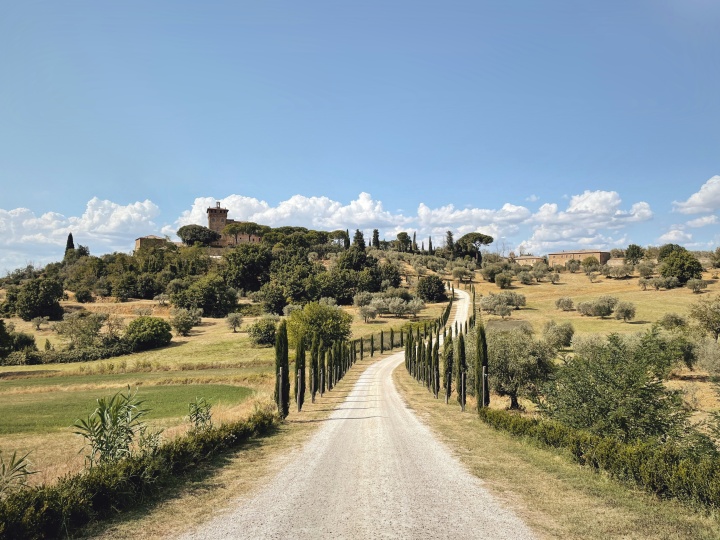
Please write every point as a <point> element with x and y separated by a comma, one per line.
<point>625,311</point>
<point>200,415</point>
<point>558,335</point>
<point>524,277</point>
<point>431,289</point>
<point>503,280</point>
<point>183,320</point>
<point>262,331</point>
<point>233,321</point>
<point>564,303</point>
<point>146,333</point>
<point>84,296</point>
<point>672,320</point>
<point>696,285</point>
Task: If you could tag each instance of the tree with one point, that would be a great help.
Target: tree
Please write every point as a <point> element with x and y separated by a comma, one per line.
<point>235,229</point>
<point>39,297</point>
<point>376,239</point>
<point>461,372</point>
<point>70,244</point>
<point>234,321</point>
<point>263,331</point>
<point>564,303</point>
<point>359,240</point>
<point>450,244</point>
<point>696,285</point>
<point>482,390</point>
<point>558,335</point>
<point>471,243</point>
<point>625,311</point>
<point>282,374</point>
<point>81,329</point>
<point>430,247</point>
<point>665,250</point>
<point>404,242</point>
<point>634,253</point>
<point>614,388</point>
<point>572,266</point>
<point>590,264</point>
<point>247,267</point>
<point>197,234</point>
<point>518,364</point>
<point>682,265</point>
<point>146,333</point>
<point>300,373</point>
<point>329,323</point>
<point>448,354</point>
<point>431,289</point>
<point>706,312</point>
<point>210,293</point>
<point>183,320</point>
<point>368,312</point>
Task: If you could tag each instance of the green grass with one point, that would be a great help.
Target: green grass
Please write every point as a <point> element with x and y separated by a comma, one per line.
<point>38,412</point>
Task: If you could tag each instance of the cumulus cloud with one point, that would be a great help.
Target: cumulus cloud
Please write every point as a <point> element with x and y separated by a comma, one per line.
<point>585,223</point>
<point>532,198</point>
<point>705,200</point>
<point>703,221</point>
<point>104,226</point>
<point>676,235</point>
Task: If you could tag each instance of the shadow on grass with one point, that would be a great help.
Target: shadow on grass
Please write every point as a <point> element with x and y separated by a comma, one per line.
<point>198,480</point>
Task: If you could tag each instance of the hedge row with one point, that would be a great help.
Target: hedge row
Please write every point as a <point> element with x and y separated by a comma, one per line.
<point>661,469</point>
<point>103,491</point>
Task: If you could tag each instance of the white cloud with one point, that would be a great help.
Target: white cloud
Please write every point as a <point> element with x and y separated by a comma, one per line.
<point>705,200</point>
<point>104,226</point>
<point>532,198</point>
<point>585,223</point>
<point>675,236</point>
<point>702,221</point>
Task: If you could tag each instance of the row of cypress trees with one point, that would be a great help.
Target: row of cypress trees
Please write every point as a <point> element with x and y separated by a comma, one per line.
<point>422,358</point>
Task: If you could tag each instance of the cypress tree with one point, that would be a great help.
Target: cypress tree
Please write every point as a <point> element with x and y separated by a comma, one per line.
<point>282,384</point>
<point>448,354</point>
<point>436,364</point>
<point>401,339</point>
<point>321,367</point>
<point>346,240</point>
<point>70,244</point>
<point>382,344</point>
<point>428,363</point>
<point>362,348</point>
<point>372,345</point>
<point>461,371</point>
<point>392,339</point>
<point>376,239</point>
<point>300,373</point>
<point>314,375</point>
<point>430,248</point>
<point>482,388</point>
<point>329,368</point>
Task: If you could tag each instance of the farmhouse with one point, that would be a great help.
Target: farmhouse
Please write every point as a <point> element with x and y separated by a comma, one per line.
<point>151,241</point>
<point>564,256</point>
<point>217,220</point>
<point>529,260</point>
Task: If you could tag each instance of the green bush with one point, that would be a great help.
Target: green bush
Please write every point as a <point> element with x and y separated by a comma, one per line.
<point>431,289</point>
<point>103,491</point>
<point>663,469</point>
<point>262,331</point>
<point>84,296</point>
<point>148,333</point>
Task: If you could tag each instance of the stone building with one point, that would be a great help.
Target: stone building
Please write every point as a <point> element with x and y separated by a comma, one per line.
<point>217,220</point>
<point>151,241</point>
<point>528,260</point>
<point>562,257</point>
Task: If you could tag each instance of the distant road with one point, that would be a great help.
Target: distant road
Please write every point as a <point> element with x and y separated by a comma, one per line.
<point>373,470</point>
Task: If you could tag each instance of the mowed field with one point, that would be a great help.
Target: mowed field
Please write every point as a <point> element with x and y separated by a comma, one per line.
<point>39,404</point>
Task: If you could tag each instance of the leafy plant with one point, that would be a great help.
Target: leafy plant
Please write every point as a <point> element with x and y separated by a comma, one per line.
<point>110,430</point>
<point>200,415</point>
<point>14,473</point>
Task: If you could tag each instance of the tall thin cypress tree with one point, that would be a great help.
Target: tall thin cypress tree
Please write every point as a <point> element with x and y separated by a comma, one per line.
<point>376,238</point>
<point>70,244</point>
<point>428,363</point>
<point>461,371</point>
<point>430,248</point>
<point>362,348</point>
<point>448,354</point>
<point>300,373</point>
<point>314,375</point>
<point>392,339</point>
<point>482,387</point>
<point>436,364</point>
<point>282,384</point>
<point>329,368</point>
<point>321,367</point>
<point>372,345</point>
<point>382,340</point>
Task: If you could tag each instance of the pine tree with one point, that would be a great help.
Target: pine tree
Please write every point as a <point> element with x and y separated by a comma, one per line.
<point>300,373</point>
<point>282,385</point>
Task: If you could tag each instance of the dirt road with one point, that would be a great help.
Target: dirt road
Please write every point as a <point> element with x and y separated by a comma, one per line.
<point>373,470</point>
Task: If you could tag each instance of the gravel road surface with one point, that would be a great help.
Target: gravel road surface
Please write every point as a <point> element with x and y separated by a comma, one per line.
<point>372,470</point>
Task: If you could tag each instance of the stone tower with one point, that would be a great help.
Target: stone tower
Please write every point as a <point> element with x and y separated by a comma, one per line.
<point>217,218</point>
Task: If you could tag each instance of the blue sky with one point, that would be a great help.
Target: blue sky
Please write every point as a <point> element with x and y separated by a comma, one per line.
<point>550,125</point>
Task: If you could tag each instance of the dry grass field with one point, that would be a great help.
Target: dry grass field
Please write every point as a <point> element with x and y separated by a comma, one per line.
<point>38,404</point>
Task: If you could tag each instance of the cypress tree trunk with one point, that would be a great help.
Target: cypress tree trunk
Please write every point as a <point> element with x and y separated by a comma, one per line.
<point>372,345</point>
<point>392,339</point>
<point>482,385</point>
<point>300,373</point>
<point>362,348</point>
<point>329,368</point>
<point>282,386</point>
<point>313,369</point>
<point>381,342</point>
<point>436,368</point>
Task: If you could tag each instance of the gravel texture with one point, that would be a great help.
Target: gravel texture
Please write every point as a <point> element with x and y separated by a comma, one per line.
<point>373,470</point>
